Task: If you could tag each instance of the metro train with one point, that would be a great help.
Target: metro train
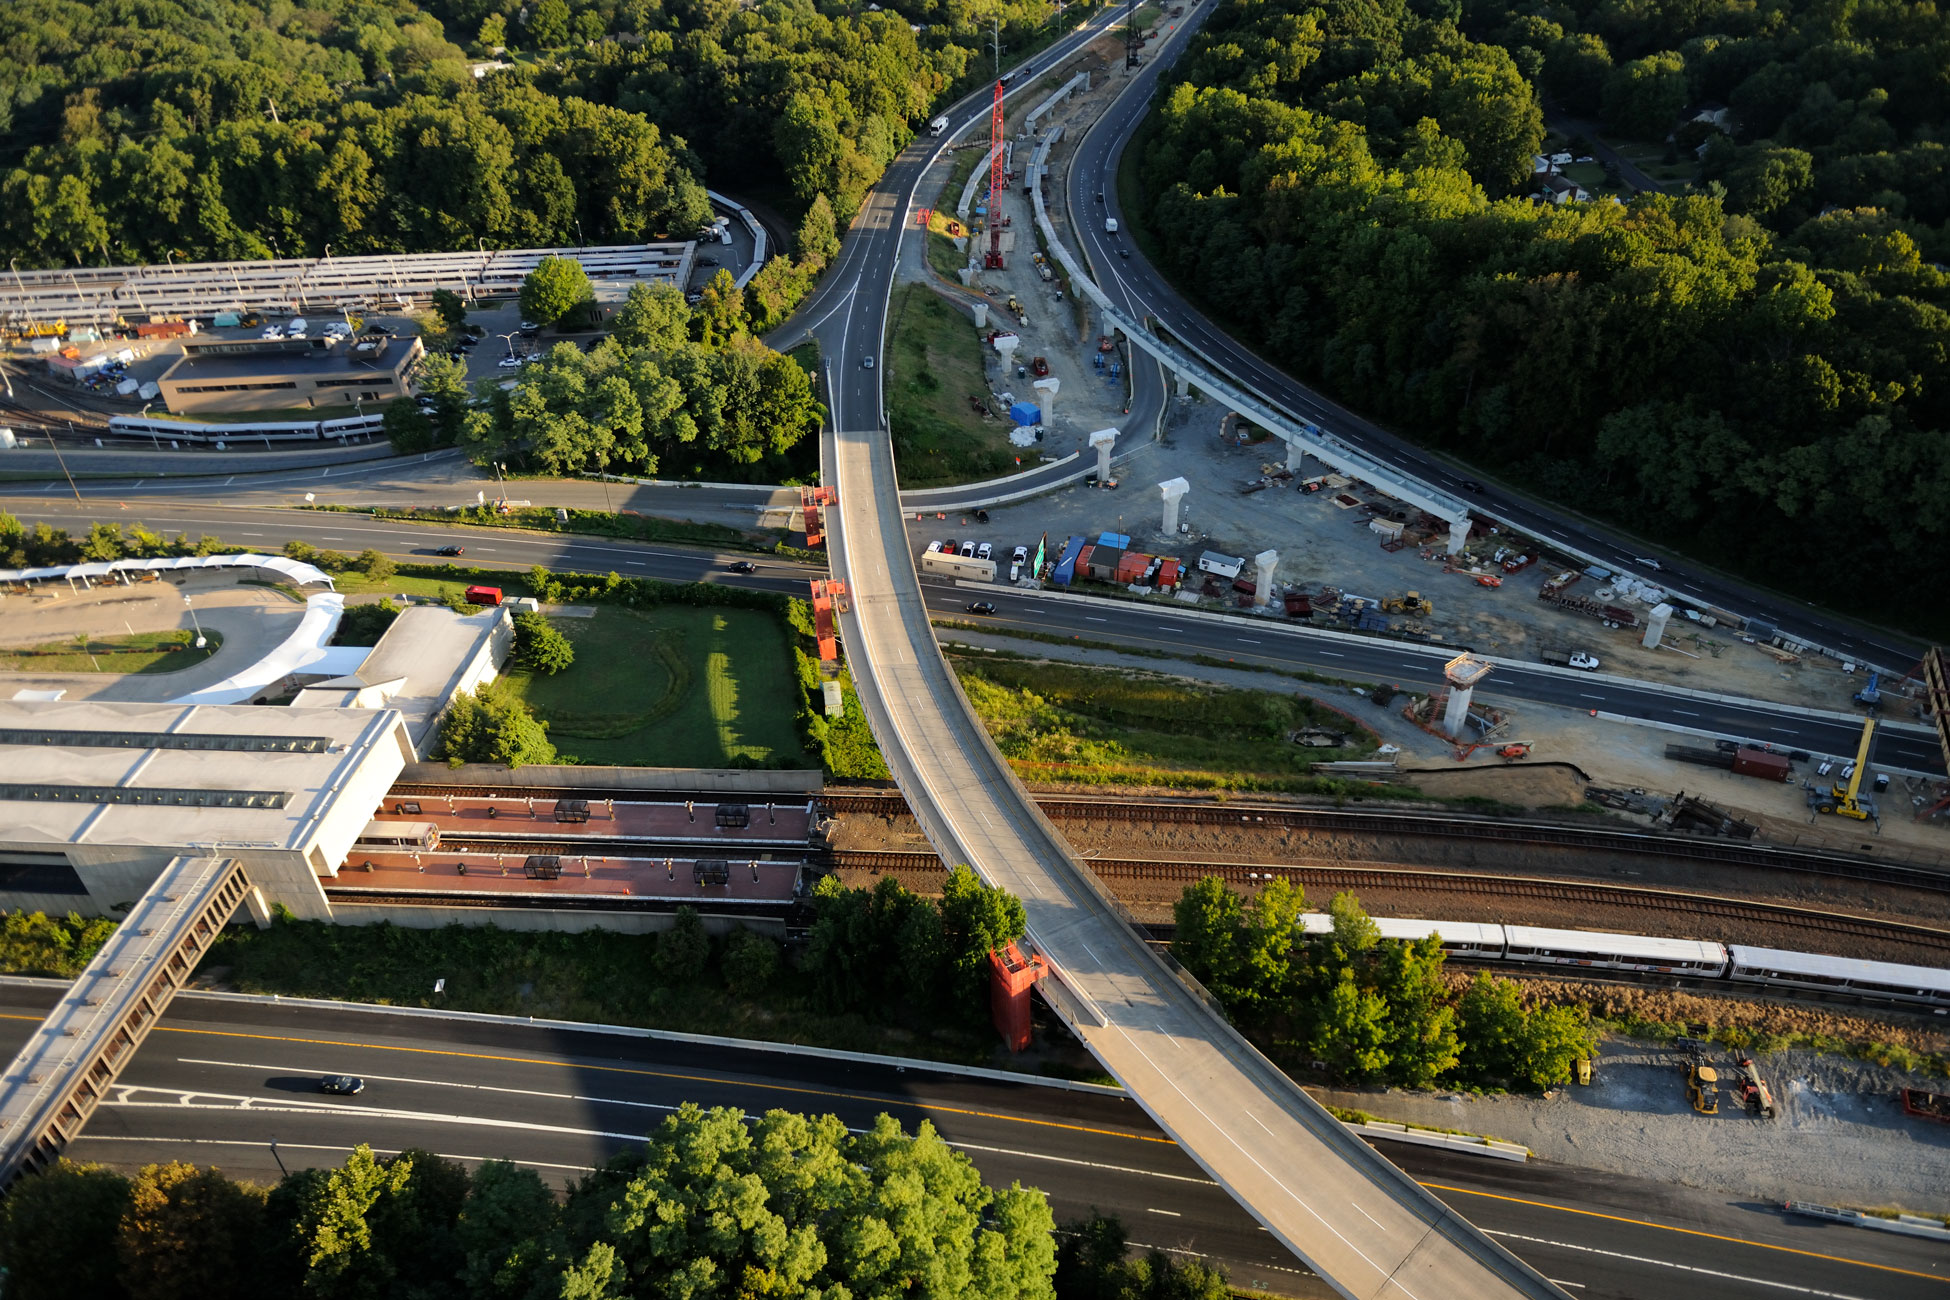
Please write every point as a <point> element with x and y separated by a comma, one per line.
<point>1736,964</point>
<point>242,436</point>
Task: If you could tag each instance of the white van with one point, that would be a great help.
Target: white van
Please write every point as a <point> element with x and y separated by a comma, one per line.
<point>295,328</point>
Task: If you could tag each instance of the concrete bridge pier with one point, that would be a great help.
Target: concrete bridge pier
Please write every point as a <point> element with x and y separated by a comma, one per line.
<point>1174,491</point>
<point>1101,442</point>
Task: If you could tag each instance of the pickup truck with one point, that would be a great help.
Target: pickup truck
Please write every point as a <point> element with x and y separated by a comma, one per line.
<point>1564,658</point>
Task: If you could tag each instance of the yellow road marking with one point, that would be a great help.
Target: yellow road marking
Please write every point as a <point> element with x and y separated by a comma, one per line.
<point>1690,1232</point>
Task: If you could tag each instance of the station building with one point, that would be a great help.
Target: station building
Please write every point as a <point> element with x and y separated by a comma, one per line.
<point>335,376</point>
<point>97,799</point>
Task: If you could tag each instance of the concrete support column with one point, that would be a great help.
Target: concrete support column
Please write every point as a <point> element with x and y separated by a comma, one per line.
<point>1100,442</point>
<point>1655,626</point>
<point>1174,491</point>
<point>259,909</point>
<point>1047,387</point>
<point>1295,453</point>
<point>981,315</point>
<point>1455,718</point>
<point>1458,534</point>
<point>1264,563</point>
<point>1184,384</point>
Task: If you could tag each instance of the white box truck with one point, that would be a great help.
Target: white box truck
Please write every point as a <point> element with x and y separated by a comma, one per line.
<point>1110,225</point>
<point>937,126</point>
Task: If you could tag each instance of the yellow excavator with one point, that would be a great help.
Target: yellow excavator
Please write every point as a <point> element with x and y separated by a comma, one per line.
<point>1842,800</point>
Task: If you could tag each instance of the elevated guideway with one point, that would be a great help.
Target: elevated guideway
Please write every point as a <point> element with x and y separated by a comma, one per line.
<point>70,1061</point>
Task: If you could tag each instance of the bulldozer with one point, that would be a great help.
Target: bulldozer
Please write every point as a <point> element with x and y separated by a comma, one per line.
<point>1703,1086</point>
<point>1412,603</point>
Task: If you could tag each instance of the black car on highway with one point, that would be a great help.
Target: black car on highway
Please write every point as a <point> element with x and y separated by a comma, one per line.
<point>342,1085</point>
<point>743,566</point>
<point>450,550</point>
<point>981,607</point>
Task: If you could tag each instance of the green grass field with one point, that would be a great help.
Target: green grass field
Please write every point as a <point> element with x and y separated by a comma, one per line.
<point>674,686</point>
<point>1068,722</point>
<point>934,365</point>
<point>143,653</point>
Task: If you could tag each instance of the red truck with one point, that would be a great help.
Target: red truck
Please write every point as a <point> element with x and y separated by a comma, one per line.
<point>484,595</point>
<point>164,329</point>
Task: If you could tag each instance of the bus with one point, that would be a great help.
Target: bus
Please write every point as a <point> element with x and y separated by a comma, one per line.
<point>398,837</point>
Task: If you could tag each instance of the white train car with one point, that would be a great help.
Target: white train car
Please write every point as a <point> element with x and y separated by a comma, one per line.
<point>1922,985</point>
<point>1474,939</point>
<point>1523,943</point>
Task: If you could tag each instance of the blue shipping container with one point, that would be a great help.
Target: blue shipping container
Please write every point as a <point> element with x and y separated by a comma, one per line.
<point>1066,563</point>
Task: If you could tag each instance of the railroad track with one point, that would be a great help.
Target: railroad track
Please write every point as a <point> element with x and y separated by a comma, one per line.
<point>1357,879</point>
<point>1346,821</point>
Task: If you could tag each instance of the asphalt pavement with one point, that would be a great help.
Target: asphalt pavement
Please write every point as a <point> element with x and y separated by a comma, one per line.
<point>1266,643</point>
<point>221,1079</point>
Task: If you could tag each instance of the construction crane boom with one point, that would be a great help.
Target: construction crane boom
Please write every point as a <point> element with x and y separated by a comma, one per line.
<point>1842,800</point>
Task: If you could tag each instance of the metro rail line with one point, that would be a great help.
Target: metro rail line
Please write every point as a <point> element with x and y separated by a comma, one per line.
<point>1437,881</point>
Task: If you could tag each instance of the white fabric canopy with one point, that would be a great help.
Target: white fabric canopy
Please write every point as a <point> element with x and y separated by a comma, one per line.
<point>301,573</point>
<point>305,650</point>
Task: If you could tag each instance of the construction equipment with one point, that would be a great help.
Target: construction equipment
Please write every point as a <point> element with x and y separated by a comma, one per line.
<point>1412,603</point>
<point>1843,801</point>
<point>1488,580</point>
<point>1870,696</point>
<point>1702,1086</point>
<point>1753,1091</point>
<point>1513,751</point>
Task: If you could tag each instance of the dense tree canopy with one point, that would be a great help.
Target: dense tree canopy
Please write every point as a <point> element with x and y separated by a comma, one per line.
<point>229,129</point>
<point>716,1204</point>
<point>1753,393</point>
<point>1371,1009</point>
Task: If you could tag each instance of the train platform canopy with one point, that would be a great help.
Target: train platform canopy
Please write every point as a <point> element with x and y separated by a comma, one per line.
<point>715,884</point>
<point>297,572</point>
<point>96,798</point>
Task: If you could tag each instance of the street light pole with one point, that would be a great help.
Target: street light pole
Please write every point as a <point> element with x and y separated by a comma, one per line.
<point>145,418</point>
<point>193,620</point>
<point>55,443</point>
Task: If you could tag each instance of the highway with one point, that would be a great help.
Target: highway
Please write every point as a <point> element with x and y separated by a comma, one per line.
<point>221,1078</point>
<point>1265,643</point>
<point>1348,1214</point>
<point>1135,281</point>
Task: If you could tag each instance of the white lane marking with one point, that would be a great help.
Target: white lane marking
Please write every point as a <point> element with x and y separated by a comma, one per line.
<point>316,1146</point>
<point>1084,1164</point>
<point>1245,640</point>
<point>1169,1213</point>
<point>1683,1268</point>
<point>1095,619</point>
<point>1688,712</point>
<point>1785,731</point>
<point>1369,1217</point>
<point>1558,1281</point>
<point>1583,696</point>
<point>1333,654</point>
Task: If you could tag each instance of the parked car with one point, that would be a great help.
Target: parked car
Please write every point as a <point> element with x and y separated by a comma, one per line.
<point>983,551</point>
<point>342,1085</point>
<point>949,547</point>
<point>509,362</point>
<point>1019,556</point>
<point>465,342</point>
<point>743,566</point>
<point>981,607</point>
<point>450,550</point>
<point>981,516</point>
<point>529,327</point>
<point>968,550</point>
<point>707,261</point>
<point>934,548</point>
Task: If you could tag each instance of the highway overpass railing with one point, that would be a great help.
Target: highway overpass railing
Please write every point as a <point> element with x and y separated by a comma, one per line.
<point>70,1063</point>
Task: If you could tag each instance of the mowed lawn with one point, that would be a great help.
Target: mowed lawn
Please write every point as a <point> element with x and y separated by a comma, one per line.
<point>672,687</point>
<point>933,367</point>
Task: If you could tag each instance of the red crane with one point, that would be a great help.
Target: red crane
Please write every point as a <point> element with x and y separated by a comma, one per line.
<point>998,182</point>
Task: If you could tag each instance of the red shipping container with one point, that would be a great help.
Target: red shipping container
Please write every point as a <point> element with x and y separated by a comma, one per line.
<point>484,595</point>
<point>1762,763</point>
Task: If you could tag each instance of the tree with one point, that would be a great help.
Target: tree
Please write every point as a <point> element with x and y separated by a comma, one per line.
<point>57,1233</point>
<point>104,542</point>
<point>365,623</point>
<point>1554,1038</point>
<point>557,285</point>
<point>191,1234</point>
<point>653,316</point>
<point>1643,98</point>
<point>1209,933</point>
<point>549,24</point>
<point>509,1213</point>
<point>1350,1031</point>
<point>1092,1264</point>
<point>540,646</point>
<point>374,565</point>
<point>1492,1027</point>
<point>449,306</point>
<point>751,964</point>
<point>720,313</point>
<point>407,427</point>
<point>491,725</point>
<point>818,239</point>
<point>976,919</point>
<point>684,949</point>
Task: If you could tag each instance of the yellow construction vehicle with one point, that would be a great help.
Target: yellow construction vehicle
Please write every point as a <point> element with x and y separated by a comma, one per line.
<point>1703,1086</point>
<point>1412,603</point>
<point>1841,799</point>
